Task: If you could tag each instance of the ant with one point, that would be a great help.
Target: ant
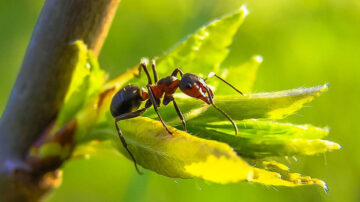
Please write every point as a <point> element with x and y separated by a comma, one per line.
<point>126,102</point>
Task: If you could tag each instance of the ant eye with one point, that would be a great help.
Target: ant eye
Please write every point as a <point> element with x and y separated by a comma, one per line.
<point>189,86</point>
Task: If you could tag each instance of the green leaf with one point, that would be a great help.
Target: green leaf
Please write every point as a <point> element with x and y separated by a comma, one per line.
<point>185,156</point>
<point>273,105</point>
<point>87,81</point>
<point>214,154</point>
<point>242,76</point>
<point>274,173</point>
<point>182,155</point>
<point>260,138</point>
<point>76,94</point>
<point>80,71</point>
<point>204,50</point>
<point>96,75</point>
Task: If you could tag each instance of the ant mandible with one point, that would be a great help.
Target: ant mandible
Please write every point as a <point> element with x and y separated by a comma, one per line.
<point>126,102</point>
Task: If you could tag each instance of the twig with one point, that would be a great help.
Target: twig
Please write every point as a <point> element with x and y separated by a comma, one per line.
<point>44,79</point>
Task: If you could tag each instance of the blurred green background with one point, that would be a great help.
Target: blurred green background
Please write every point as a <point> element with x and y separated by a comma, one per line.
<point>303,42</point>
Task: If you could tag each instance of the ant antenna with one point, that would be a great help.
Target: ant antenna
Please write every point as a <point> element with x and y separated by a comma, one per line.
<point>227,116</point>
<point>221,111</point>
<point>213,74</point>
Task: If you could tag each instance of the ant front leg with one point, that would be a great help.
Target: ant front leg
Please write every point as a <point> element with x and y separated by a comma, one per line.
<point>180,115</point>
<point>123,141</point>
<point>169,99</point>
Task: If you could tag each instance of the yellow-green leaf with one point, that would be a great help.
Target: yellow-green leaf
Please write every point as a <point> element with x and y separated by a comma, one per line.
<point>214,155</point>
<point>182,155</point>
<point>260,138</point>
<point>241,76</point>
<point>204,50</point>
<point>272,105</point>
<point>87,80</point>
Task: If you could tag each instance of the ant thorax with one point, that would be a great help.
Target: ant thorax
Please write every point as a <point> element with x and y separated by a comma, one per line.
<point>167,86</point>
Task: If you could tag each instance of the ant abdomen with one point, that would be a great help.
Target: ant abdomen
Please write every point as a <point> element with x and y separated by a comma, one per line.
<point>126,100</point>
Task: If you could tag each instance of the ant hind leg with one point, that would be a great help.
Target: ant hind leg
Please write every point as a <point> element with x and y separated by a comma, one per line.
<point>123,141</point>
<point>153,65</point>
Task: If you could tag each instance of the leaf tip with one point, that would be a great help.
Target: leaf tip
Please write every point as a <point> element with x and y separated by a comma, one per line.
<point>326,86</point>
<point>322,184</point>
<point>258,59</point>
<point>318,90</point>
<point>244,10</point>
<point>325,187</point>
<point>78,44</point>
<point>332,145</point>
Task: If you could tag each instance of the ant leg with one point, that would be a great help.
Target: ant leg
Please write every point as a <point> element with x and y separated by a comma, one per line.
<point>123,141</point>
<point>143,65</point>
<point>127,149</point>
<point>143,61</point>
<point>153,65</point>
<point>130,115</point>
<point>152,99</point>
<point>176,71</point>
<point>213,74</point>
<point>179,114</point>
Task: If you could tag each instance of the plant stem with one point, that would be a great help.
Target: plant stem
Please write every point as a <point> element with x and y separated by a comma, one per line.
<point>42,83</point>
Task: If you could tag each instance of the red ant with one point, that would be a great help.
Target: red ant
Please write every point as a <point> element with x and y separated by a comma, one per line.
<point>126,102</point>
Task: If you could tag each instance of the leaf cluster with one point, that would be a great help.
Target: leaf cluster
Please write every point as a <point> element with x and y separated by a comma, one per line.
<point>209,150</point>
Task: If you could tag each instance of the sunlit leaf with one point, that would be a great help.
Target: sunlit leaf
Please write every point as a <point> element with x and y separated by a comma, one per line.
<point>273,105</point>
<point>204,50</point>
<point>210,151</point>
<point>87,80</point>
<point>242,76</point>
<point>185,156</point>
<point>96,76</point>
<point>274,173</point>
<point>80,71</point>
<point>260,138</point>
<point>76,95</point>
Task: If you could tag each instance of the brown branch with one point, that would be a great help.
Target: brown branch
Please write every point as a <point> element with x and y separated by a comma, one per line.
<point>44,79</point>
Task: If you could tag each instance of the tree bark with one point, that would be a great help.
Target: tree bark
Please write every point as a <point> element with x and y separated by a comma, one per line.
<point>42,83</point>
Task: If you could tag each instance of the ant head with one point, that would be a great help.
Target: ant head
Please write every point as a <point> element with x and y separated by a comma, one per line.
<point>196,87</point>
